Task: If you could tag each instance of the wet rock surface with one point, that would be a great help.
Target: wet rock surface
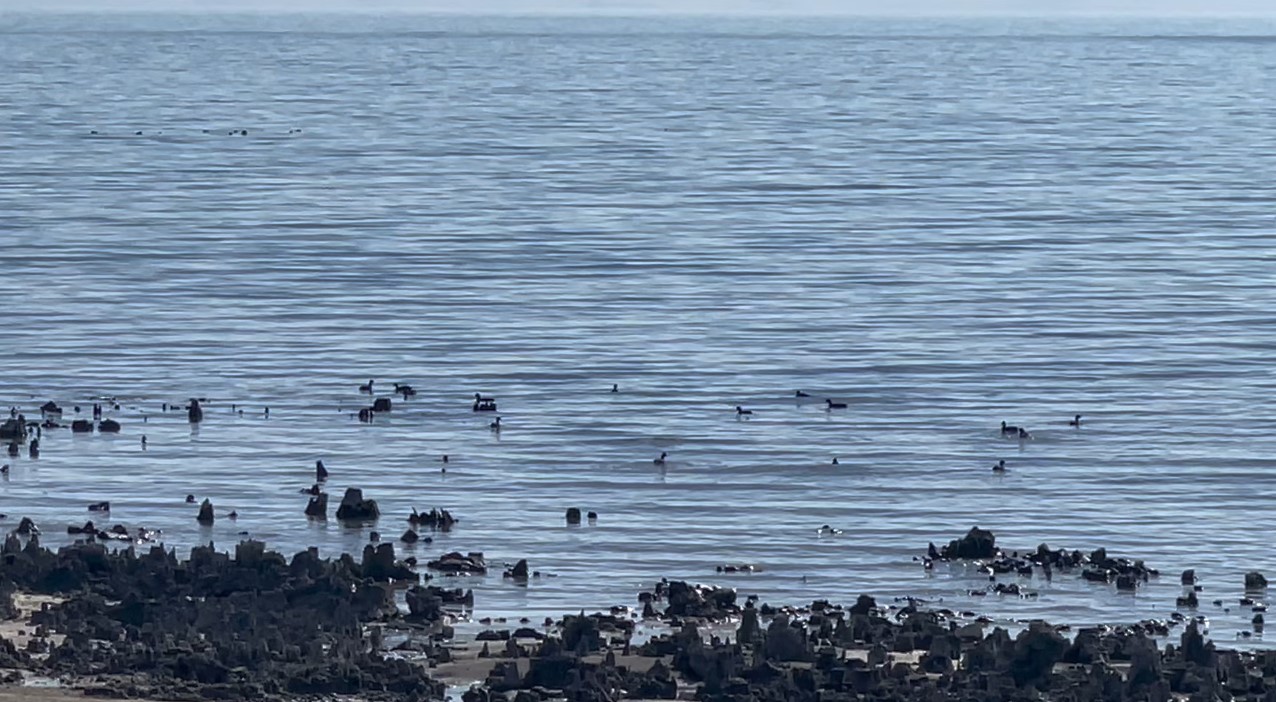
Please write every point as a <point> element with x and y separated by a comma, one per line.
<point>253,626</point>
<point>825,653</point>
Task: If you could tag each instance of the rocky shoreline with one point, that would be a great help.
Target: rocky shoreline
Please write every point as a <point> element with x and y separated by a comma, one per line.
<point>258,625</point>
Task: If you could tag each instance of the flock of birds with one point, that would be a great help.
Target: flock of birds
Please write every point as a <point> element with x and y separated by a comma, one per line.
<point>481,403</point>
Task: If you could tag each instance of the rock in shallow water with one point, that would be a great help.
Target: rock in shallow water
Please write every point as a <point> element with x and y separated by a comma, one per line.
<point>354,507</point>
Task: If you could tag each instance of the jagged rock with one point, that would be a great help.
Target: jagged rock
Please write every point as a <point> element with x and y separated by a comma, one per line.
<point>519,571</point>
<point>456,563</point>
<point>1254,580</point>
<point>410,537</point>
<point>1035,652</point>
<point>784,642</point>
<point>750,630</point>
<point>863,605</point>
<point>441,520</point>
<point>379,564</point>
<point>354,508</point>
<point>26,527</point>
<point>205,515</point>
<point>317,506</point>
<point>977,543</point>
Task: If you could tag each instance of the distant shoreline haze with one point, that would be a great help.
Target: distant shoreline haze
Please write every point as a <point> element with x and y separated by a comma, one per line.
<point>878,8</point>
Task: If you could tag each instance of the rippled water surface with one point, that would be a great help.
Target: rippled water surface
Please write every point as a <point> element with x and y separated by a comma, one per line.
<point>945,225</point>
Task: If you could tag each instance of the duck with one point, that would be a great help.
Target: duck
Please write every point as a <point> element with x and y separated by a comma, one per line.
<point>100,507</point>
<point>999,467</point>
<point>312,490</point>
<point>799,393</point>
<point>367,388</point>
<point>1076,421</point>
<point>321,473</point>
<point>34,448</point>
<point>827,530</point>
<point>741,412</point>
<point>834,405</point>
<point>835,460</point>
<point>615,387</point>
<point>4,469</point>
<point>1023,434</point>
<point>1008,429</point>
<point>661,461</point>
<point>405,390</point>
<point>495,425</point>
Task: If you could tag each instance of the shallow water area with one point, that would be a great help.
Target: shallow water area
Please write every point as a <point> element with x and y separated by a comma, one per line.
<point>943,225</point>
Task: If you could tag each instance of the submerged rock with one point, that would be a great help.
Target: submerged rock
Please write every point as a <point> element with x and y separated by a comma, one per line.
<point>354,507</point>
<point>205,515</point>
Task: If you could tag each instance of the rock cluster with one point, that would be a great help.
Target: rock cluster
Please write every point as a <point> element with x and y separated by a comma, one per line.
<point>860,653</point>
<point>255,626</point>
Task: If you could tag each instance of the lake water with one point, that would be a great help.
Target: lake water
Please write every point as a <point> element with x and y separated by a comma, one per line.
<point>943,224</point>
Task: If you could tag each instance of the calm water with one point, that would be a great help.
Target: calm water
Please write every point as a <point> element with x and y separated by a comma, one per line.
<point>943,224</point>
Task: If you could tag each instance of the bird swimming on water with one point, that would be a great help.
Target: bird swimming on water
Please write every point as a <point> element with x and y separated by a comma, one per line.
<point>740,411</point>
<point>834,405</point>
<point>999,467</point>
<point>367,388</point>
<point>799,393</point>
<point>661,461</point>
<point>1008,429</point>
<point>1076,421</point>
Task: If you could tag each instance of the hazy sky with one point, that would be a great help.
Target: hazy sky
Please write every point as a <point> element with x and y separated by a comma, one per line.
<point>641,7</point>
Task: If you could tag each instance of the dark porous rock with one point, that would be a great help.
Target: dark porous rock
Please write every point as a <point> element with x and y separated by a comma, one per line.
<point>205,515</point>
<point>519,571</point>
<point>318,506</point>
<point>438,519</point>
<point>977,543</point>
<point>410,537</point>
<point>1036,650</point>
<point>785,642</point>
<point>1254,580</point>
<point>425,603</point>
<point>26,527</point>
<point>213,627</point>
<point>700,601</point>
<point>456,563</point>
<point>379,564</point>
<point>864,605</point>
<point>573,515</point>
<point>354,507</point>
<point>750,630</point>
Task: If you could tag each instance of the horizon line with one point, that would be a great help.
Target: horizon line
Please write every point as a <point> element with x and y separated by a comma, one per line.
<point>627,14</point>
